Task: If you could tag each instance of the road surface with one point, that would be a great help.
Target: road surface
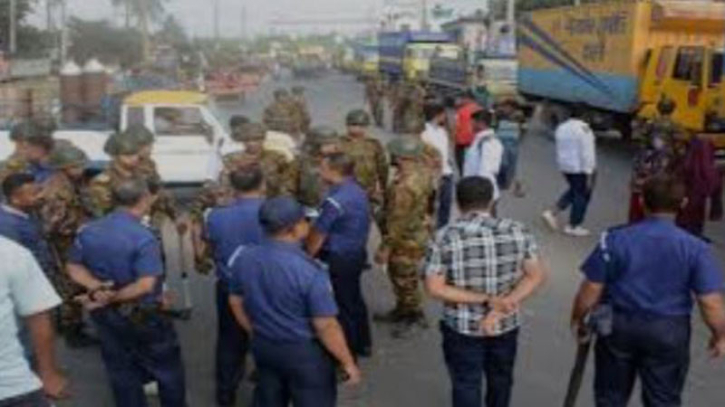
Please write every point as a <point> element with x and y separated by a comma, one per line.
<point>411,372</point>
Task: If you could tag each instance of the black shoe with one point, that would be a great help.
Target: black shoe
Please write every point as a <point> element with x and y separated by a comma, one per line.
<point>391,317</point>
<point>226,400</point>
<point>77,338</point>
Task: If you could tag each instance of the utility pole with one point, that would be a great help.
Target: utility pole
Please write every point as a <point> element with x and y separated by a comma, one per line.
<point>13,27</point>
<point>424,15</point>
<point>216,20</point>
<point>511,13</point>
<point>63,32</point>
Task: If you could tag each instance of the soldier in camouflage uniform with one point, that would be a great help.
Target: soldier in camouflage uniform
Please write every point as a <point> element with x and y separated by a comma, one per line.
<point>301,110</point>
<point>311,189</point>
<point>278,173</point>
<point>62,212</point>
<point>126,158</point>
<point>374,95</point>
<point>279,116</point>
<point>415,94</point>
<point>17,162</point>
<point>371,163</point>
<point>406,232</point>
<point>399,102</point>
<point>663,126</point>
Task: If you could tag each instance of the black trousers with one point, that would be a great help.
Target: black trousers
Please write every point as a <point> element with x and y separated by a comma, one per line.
<point>232,345</point>
<point>302,374</point>
<point>655,349</point>
<point>469,358</point>
<point>345,273</point>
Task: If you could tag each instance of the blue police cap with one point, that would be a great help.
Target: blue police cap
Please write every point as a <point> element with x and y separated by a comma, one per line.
<point>277,214</point>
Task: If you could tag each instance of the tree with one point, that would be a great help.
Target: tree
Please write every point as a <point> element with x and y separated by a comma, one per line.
<point>99,39</point>
<point>24,8</point>
<point>144,11</point>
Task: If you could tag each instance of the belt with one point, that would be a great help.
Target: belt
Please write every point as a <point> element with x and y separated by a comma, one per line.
<point>139,313</point>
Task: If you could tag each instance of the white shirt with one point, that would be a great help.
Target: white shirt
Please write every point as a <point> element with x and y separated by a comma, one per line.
<point>575,147</point>
<point>484,157</point>
<point>24,291</point>
<point>437,137</point>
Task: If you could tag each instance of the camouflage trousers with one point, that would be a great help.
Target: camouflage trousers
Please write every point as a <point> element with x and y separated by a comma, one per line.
<point>378,112</point>
<point>70,312</point>
<point>403,270</point>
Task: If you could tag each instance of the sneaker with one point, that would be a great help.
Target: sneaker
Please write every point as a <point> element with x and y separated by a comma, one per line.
<point>550,220</point>
<point>577,231</point>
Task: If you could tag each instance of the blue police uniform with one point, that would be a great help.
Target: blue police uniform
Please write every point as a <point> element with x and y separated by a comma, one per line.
<point>40,172</point>
<point>345,220</point>
<point>650,271</point>
<point>229,229</point>
<point>26,231</point>
<point>283,290</point>
<point>137,341</point>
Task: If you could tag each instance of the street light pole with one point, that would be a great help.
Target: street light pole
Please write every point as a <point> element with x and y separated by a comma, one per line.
<point>13,48</point>
<point>216,20</point>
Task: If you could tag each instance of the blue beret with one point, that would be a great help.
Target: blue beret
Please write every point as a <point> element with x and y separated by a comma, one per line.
<point>277,214</point>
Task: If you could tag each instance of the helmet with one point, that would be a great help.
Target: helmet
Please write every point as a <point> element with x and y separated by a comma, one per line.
<point>358,117</point>
<point>322,135</point>
<point>250,132</point>
<point>405,147</point>
<point>65,155</point>
<point>139,133</point>
<point>118,144</point>
<point>280,94</point>
<point>23,131</point>
<point>666,106</point>
<point>46,125</point>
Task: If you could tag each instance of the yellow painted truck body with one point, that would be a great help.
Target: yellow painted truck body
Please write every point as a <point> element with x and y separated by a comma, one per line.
<point>624,56</point>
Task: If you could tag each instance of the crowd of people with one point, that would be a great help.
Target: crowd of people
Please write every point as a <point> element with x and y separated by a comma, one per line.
<point>288,240</point>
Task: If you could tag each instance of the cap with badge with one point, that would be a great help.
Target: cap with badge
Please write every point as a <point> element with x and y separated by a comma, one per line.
<point>65,155</point>
<point>405,147</point>
<point>122,144</point>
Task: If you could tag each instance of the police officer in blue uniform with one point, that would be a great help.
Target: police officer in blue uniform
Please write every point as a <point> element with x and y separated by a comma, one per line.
<point>339,238</point>
<point>284,299</point>
<point>229,229</point>
<point>648,276</point>
<point>118,261</point>
<point>17,221</point>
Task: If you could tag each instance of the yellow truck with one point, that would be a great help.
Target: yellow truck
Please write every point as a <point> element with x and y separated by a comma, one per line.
<point>621,57</point>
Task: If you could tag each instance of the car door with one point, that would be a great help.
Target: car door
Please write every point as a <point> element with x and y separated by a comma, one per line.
<point>184,142</point>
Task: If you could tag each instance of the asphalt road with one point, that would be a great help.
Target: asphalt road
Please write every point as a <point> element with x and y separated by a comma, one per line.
<point>410,372</point>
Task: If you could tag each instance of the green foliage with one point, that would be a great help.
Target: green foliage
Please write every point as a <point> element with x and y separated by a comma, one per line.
<point>31,41</point>
<point>99,39</point>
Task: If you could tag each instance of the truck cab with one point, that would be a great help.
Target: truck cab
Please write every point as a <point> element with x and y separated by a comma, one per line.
<point>418,56</point>
<point>690,75</point>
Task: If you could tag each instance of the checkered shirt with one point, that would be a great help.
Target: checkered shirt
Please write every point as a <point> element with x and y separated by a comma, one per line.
<point>481,254</point>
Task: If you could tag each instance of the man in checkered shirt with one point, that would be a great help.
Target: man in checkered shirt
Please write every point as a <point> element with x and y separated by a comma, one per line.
<point>482,268</point>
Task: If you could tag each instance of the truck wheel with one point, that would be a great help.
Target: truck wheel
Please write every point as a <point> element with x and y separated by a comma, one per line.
<point>623,124</point>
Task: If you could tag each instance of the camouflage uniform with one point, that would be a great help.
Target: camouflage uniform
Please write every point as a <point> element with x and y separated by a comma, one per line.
<point>280,115</point>
<point>374,92</point>
<point>16,163</point>
<point>62,212</point>
<point>371,163</point>
<point>278,172</point>
<point>406,231</point>
<point>415,96</point>
<point>399,101</point>
<point>311,189</point>
<point>301,111</point>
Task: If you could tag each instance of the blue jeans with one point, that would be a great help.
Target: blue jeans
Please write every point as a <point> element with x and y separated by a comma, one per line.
<point>655,349</point>
<point>133,352</point>
<point>577,196</point>
<point>232,345</point>
<point>300,373</point>
<point>445,200</point>
<point>345,274</point>
<point>468,358</point>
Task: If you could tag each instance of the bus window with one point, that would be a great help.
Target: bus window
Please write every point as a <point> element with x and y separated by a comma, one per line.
<point>716,69</point>
<point>688,65</point>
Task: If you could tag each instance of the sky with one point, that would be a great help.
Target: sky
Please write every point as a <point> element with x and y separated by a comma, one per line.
<point>197,15</point>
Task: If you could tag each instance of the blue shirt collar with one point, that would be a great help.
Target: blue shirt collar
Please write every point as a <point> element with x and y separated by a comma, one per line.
<point>125,215</point>
<point>16,212</point>
<point>241,201</point>
<point>293,247</point>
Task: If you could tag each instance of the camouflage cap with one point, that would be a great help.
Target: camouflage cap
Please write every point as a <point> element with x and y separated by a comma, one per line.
<point>358,117</point>
<point>23,131</point>
<point>250,132</point>
<point>140,133</point>
<point>47,125</point>
<point>666,106</point>
<point>280,94</point>
<point>298,90</point>
<point>405,147</point>
<point>117,145</point>
<point>65,155</point>
<point>322,135</point>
